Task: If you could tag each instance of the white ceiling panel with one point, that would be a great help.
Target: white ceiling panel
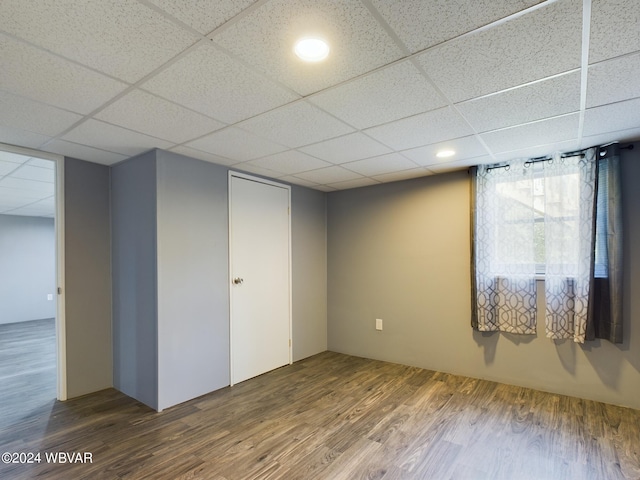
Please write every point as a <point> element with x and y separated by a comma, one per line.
<point>35,74</point>
<point>614,80</point>
<point>354,146</point>
<point>122,38</point>
<point>424,129</point>
<point>328,175</point>
<point>265,172</point>
<point>403,175</point>
<point>388,94</point>
<point>615,29</point>
<point>29,172</point>
<point>157,117</point>
<point>463,164</point>
<point>533,134</point>
<point>290,162</point>
<point>210,82</point>
<point>25,114</point>
<point>357,183</point>
<point>7,167</point>
<point>539,44</point>
<point>537,151</point>
<point>104,136</point>
<point>83,152</point>
<point>298,181</point>
<point>466,147</point>
<point>200,155</point>
<point>536,101</point>
<point>203,15</point>
<point>44,188</point>
<point>392,162</point>
<point>609,118</point>
<point>42,163</point>
<point>265,37</point>
<point>296,125</point>
<point>236,144</point>
<point>629,135</point>
<point>14,136</point>
<point>421,24</point>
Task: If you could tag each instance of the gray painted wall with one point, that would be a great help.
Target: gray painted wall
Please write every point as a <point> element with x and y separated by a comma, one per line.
<point>400,252</point>
<point>27,268</point>
<point>193,278</point>
<point>309,271</point>
<point>87,277</point>
<point>133,223</point>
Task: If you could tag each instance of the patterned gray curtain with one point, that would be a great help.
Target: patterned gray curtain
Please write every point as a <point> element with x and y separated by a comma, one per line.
<point>503,251</point>
<point>569,198</point>
<point>605,305</point>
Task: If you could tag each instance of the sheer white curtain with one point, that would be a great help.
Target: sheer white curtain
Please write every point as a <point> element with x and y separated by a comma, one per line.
<point>569,224</point>
<point>504,286</point>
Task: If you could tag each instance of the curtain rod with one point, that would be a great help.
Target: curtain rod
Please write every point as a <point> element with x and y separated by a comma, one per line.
<point>564,155</point>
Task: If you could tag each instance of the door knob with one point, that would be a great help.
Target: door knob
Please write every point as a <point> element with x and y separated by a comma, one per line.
<point>238,280</point>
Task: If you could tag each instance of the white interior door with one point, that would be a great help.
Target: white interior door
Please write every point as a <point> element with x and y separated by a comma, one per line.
<point>260,277</point>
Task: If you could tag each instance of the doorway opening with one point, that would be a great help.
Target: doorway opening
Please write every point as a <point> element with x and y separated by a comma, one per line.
<point>32,360</point>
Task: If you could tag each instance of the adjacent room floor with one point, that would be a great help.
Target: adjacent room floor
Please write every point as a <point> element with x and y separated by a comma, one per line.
<point>27,371</point>
<point>335,416</point>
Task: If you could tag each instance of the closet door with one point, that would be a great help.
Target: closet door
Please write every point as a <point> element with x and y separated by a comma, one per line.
<point>259,243</point>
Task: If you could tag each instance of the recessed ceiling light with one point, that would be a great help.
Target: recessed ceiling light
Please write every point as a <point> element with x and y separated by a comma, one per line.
<point>311,49</point>
<point>445,153</point>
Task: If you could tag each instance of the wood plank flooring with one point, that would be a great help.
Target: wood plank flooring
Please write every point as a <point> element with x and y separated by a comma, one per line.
<point>334,416</point>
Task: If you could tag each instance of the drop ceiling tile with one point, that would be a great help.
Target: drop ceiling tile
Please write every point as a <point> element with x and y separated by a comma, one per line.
<point>354,146</point>
<point>200,155</point>
<point>424,129</point>
<point>83,152</point>
<point>327,175</point>
<point>103,136</point>
<point>236,144</point>
<point>391,162</point>
<point>121,38</point>
<point>402,175</point>
<point>25,114</point>
<point>614,80</point>
<point>203,15</point>
<point>360,182</point>
<point>466,147</point>
<point>210,82</point>
<point>325,188</point>
<point>521,50</point>
<point>536,151</point>
<point>421,24</point>
<point>615,29</point>
<point>13,157</point>
<point>455,165</point>
<point>609,118</point>
<point>296,125</point>
<point>32,73</point>
<point>42,188</point>
<point>29,172</point>
<point>266,36</point>
<point>389,94</point>
<point>264,172</point>
<point>7,167</point>
<point>157,117</point>
<point>18,195</point>
<point>629,135</point>
<point>290,162</point>
<point>298,181</point>
<point>42,163</point>
<point>544,99</point>
<point>14,136</point>
<point>543,132</point>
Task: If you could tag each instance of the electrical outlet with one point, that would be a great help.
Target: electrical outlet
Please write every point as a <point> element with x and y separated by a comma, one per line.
<point>378,324</point>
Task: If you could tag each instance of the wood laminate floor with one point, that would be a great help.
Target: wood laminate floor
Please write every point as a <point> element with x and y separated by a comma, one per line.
<point>334,416</point>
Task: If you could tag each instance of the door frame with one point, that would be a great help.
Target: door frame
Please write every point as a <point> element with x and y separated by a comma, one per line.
<point>265,181</point>
<point>61,338</point>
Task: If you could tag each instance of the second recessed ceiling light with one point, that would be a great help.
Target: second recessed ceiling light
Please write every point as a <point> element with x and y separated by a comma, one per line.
<point>312,49</point>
